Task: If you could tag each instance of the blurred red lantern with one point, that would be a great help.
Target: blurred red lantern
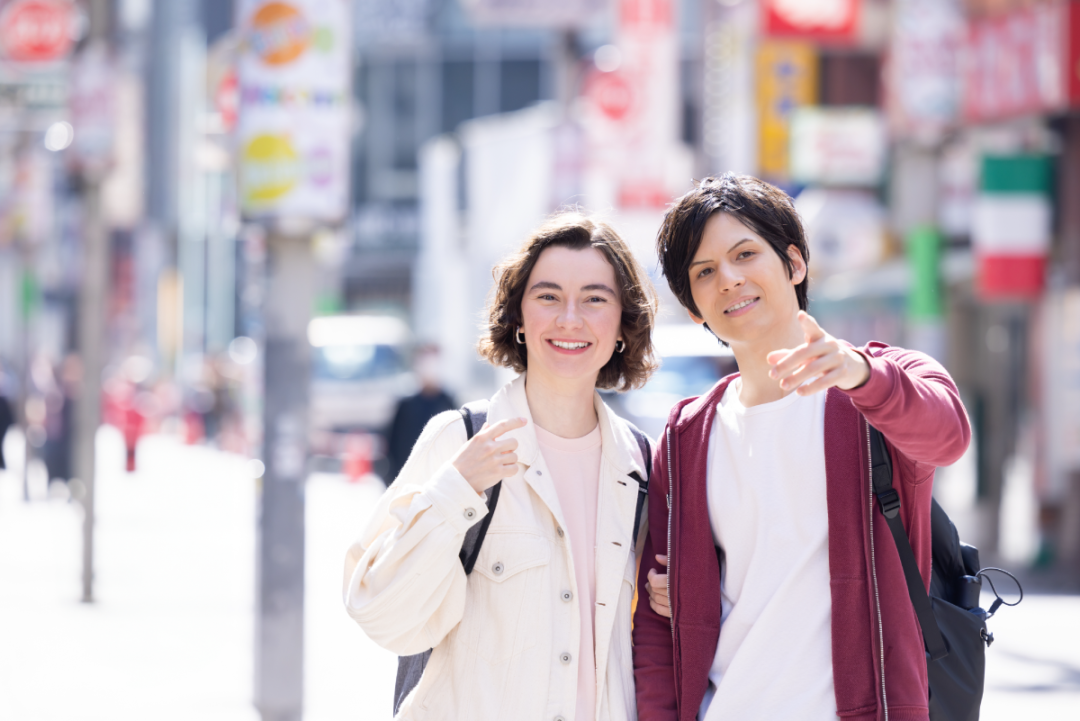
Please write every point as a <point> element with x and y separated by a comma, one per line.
<point>36,30</point>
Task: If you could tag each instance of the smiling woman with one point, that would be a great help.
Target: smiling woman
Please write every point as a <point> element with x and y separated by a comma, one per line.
<point>526,284</point>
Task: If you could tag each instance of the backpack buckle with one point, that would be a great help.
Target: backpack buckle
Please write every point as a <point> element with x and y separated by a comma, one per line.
<point>889,502</point>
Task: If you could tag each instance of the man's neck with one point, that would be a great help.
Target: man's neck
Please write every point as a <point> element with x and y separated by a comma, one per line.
<point>757,386</point>
<point>564,408</point>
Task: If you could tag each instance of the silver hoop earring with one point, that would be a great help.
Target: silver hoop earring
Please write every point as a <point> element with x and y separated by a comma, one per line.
<point>620,346</point>
<point>520,337</point>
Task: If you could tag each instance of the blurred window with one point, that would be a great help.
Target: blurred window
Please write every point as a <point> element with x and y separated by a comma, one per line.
<point>357,362</point>
<point>519,84</point>
<point>457,93</point>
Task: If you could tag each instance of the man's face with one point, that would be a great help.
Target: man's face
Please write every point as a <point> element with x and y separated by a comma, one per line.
<point>739,284</point>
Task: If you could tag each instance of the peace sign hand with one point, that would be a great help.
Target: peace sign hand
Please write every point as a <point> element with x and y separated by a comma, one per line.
<point>485,460</point>
<point>822,358</point>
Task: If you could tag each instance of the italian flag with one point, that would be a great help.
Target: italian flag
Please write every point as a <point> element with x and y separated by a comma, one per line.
<point>1011,226</point>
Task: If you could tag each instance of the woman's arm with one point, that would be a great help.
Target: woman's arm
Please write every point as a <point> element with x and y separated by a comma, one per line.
<point>654,657</point>
<point>404,584</point>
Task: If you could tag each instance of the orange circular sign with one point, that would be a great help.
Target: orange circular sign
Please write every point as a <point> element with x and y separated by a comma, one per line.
<point>279,33</point>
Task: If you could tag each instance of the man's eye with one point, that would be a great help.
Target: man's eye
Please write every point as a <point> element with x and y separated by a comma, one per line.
<point>746,254</point>
<point>704,272</point>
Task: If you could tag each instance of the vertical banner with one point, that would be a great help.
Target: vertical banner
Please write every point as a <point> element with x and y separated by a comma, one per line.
<point>633,106</point>
<point>1011,225</point>
<point>787,79</point>
<point>293,132</point>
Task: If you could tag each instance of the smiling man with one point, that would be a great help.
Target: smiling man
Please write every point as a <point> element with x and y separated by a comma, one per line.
<point>783,596</point>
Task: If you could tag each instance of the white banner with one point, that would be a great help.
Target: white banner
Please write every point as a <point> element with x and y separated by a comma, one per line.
<point>294,126</point>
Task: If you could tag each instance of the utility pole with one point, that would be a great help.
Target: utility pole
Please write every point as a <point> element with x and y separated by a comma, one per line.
<point>91,319</point>
<point>279,660</point>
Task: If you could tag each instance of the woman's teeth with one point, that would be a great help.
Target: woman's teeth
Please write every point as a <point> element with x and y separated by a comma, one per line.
<point>569,346</point>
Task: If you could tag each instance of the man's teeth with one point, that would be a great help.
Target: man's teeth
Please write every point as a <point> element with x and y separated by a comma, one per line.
<point>745,303</point>
<point>569,346</point>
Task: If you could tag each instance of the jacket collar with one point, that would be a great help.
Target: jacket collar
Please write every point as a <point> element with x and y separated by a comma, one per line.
<point>618,445</point>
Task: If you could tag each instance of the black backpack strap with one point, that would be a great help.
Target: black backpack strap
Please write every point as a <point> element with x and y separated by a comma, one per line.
<point>643,484</point>
<point>475,415</point>
<point>889,502</point>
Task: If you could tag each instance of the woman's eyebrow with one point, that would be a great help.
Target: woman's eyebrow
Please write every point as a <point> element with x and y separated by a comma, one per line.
<point>597,286</point>
<point>545,284</point>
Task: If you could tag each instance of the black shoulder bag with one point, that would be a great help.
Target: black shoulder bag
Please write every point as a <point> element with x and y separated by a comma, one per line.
<point>953,625</point>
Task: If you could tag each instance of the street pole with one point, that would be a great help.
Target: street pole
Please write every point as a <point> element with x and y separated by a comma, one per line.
<point>279,657</point>
<point>91,328</point>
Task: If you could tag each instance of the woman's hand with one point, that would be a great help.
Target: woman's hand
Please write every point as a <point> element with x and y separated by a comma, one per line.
<point>657,585</point>
<point>821,357</point>
<point>485,460</point>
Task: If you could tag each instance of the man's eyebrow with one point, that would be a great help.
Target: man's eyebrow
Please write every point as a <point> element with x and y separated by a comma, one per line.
<point>744,240</point>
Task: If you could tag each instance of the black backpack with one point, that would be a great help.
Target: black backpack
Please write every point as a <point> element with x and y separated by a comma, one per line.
<point>953,624</point>
<point>411,668</point>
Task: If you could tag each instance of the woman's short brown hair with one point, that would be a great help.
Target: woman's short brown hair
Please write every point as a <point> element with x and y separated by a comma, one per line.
<point>577,231</point>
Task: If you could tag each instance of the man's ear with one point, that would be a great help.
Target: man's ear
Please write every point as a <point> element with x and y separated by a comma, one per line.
<point>798,269</point>
<point>696,318</point>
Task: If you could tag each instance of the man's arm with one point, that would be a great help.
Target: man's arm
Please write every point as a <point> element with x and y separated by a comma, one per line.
<point>654,658</point>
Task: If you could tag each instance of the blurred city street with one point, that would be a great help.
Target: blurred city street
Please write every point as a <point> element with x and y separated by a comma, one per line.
<point>169,634</point>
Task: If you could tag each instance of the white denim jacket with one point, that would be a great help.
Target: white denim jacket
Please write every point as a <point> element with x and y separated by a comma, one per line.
<point>500,635</point>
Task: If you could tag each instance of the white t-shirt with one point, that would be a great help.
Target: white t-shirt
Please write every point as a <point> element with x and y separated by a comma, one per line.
<point>767,508</point>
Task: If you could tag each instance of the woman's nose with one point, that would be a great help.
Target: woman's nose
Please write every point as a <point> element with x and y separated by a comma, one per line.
<point>570,316</point>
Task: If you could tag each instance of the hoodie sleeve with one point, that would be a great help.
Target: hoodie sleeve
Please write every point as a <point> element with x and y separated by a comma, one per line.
<point>914,402</point>
<point>654,657</point>
<point>404,583</point>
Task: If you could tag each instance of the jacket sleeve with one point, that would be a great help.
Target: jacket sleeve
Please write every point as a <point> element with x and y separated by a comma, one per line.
<point>404,583</point>
<point>654,656</point>
<point>913,401</point>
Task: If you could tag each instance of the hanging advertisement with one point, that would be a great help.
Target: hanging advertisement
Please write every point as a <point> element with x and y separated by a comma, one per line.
<point>1011,227</point>
<point>835,21</point>
<point>632,108</point>
<point>294,125</point>
<point>1024,62</point>
<point>787,79</point>
<point>922,72</point>
<point>837,146</point>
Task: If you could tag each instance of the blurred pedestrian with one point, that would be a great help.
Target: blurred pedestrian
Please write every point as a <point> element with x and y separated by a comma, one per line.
<point>550,594</point>
<point>413,412</point>
<point>7,415</point>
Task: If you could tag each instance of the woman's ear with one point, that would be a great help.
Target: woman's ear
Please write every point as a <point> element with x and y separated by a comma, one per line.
<point>798,265</point>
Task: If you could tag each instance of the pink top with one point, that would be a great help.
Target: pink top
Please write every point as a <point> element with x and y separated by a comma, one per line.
<point>574,464</point>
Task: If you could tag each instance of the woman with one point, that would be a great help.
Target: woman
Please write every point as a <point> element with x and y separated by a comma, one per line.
<point>541,628</point>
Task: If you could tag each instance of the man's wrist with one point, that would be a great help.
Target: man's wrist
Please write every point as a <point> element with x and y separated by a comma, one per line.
<point>861,368</point>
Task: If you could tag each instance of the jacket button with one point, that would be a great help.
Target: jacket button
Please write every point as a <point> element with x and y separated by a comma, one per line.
<point>565,657</point>
<point>497,569</point>
<point>470,513</point>
<point>567,596</point>
<point>539,472</point>
<point>560,531</point>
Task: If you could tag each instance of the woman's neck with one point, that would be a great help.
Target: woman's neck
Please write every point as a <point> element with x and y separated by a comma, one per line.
<point>757,386</point>
<point>564,408</point>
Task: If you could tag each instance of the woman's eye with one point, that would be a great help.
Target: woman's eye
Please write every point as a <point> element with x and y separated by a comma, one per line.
<point>597,299</point>
<point>547,296</point>
<point>704,272</point>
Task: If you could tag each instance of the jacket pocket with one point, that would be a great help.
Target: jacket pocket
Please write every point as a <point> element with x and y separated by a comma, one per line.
<point>505,592</point>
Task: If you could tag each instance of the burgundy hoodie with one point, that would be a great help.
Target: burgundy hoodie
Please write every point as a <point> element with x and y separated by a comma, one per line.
<point>877,646</point>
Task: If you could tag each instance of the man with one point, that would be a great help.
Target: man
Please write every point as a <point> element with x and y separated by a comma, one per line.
<point>784,597</point>
<point>413,412</point>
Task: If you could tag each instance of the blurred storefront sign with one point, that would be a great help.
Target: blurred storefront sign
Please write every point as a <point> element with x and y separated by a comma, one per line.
<point>402,21</point>
<point>550,13</point>
<point>1022,62</point>
<point>92,103</point>
<point>787,79</point>
<point>837,146</point>
<point>1012,225</point>
<point>37,31</point>
<point>834,21</point>
<point>293,137</point>
<point>922,77</point>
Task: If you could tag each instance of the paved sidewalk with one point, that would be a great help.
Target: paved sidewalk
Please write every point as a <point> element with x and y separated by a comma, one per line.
<point>170,635</point>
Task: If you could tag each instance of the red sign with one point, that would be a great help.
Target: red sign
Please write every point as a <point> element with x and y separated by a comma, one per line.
<point>36,30</point>
<point>227,99</point>
<point>825,20</point>
<point>1022,63</point>
<point>611,92</point>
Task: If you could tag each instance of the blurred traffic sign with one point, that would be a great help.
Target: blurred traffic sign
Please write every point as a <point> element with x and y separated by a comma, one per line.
<point>37,31</point>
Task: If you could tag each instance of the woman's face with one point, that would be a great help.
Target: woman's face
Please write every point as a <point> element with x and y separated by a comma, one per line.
<point>571,314</point>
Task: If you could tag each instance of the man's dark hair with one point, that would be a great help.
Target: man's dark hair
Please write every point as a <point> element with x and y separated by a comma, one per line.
<point>761,207</point>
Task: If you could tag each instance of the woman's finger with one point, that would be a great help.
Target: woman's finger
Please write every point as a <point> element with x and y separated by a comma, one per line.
<point>507,424</point>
